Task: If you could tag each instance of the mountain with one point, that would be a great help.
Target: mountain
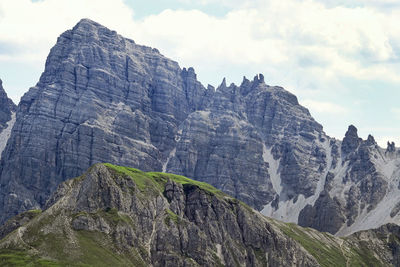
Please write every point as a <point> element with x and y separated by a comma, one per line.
<point>7,117</point>
<point>103,98</point>
<point>118,216</point>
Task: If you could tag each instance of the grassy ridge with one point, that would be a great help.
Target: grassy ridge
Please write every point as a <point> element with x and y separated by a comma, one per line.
<point>149,180</point>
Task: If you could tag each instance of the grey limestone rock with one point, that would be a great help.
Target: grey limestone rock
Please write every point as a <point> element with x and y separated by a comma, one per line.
<point>7,107</point>
<point>104,98</point>
<point>164,223</point>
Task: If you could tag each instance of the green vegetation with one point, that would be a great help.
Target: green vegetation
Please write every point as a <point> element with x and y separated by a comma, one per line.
<point>330,253</point>
<point>97,250</point>
<point>157,180</point>
<point>21,258</point>
<point>171,216</point>
<point>35,211</point>
<point>324,254</point>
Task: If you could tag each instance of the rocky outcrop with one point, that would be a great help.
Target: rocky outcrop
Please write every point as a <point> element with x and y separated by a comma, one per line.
<point>139,219</point>
<point>118,216</point>
<point>7,117</point>
<point>326,214</point>
<point>7,107</point>
<point>361,192</point>
<point>104,98</point>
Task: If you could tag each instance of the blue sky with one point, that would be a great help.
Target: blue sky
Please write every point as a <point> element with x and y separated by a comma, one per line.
<point>340,57</point>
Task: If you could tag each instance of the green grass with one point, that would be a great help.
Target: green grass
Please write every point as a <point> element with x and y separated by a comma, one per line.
<point>96,251</point>
<point>171,216</point>
<point>35,211</point>
<point>325,255</point>
<point>150,181</point>
<point>21,258</point>
<point>330,254</point>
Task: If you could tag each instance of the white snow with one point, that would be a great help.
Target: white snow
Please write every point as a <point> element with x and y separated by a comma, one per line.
<point>219,253</point>
<point>378,216</point>
<point>288,210</point>
<point>390,169</point>
<point>273,169</point>
<point>171,155</point>
<point>5,134</point>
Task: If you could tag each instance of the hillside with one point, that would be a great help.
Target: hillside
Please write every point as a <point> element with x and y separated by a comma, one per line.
<point>119,216</point>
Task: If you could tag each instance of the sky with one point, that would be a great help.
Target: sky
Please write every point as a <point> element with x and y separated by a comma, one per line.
<point>341,58</point>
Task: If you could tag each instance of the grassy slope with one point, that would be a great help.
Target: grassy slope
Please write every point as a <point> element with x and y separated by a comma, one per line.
<point>96,249</point>
<point>149,180</point>
<point>329,250</point>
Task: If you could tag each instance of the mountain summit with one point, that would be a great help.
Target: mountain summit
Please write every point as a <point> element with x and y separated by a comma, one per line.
<point>104,98</point>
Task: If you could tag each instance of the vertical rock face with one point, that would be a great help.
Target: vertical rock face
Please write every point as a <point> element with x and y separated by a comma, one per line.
<point>103,98</point>
<point>7,117</point>
<point>7,107</point>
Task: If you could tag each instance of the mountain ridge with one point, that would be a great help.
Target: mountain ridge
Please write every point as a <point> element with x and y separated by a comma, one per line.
<point>124,217</point>
<point>103,98</point>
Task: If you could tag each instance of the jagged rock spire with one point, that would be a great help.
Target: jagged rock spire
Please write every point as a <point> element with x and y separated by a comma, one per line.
<point>7,106</point>
<point>390,147</point>
<point>370,140</point>
<point>351,140</point>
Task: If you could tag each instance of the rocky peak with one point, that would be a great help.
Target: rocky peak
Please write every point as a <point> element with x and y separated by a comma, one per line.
<point>7,107</point>
<point>189,73</point>
<point>259,78</point>
<point>370,141</point>
<point>390,147</point>
<point>351,140</point>
<point>222,86</point>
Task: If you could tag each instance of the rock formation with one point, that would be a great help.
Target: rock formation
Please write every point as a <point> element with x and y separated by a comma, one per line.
<point>118,216</point>
<point>7,117</point>
<point>7,107</point>
<point>137,219</point>
<point>103,98</point>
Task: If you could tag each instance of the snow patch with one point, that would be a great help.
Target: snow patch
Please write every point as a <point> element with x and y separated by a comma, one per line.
<point>171,155</point>
<point>219,253</point>
<point>6,133</point>
<point>273,169</point>
<point>289,210</point>
<point>376,217</point>
<point>390,169</point>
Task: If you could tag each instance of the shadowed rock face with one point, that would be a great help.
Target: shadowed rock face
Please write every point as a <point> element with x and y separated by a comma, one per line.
<point>103,98</point>
<point>7,107</point>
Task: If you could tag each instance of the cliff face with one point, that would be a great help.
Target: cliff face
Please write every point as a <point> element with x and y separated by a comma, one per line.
<point>103,98</point>
<point>125,217</point>
<point>7,117</point>
<point>7,107</point>
<point>118,216</point>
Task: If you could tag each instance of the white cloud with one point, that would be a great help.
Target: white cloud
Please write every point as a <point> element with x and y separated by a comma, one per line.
<point>34,26</point>
<point>324,107</point>
<point>291,34</point>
